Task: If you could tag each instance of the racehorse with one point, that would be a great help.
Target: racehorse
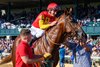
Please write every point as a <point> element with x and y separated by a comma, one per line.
<point>50,41</point>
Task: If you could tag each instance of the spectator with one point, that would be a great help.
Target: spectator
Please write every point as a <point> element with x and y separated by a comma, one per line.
<point>24,54</point>
<point>62,52</point>
<point>81,53</point>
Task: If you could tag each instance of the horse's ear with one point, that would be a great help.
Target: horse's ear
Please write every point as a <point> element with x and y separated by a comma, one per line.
<point>70,11</point>
<point>66,11</point>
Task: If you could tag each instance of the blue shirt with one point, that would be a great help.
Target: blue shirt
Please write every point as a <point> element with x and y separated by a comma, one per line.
<point>81,57</point>
<point>62,53</point>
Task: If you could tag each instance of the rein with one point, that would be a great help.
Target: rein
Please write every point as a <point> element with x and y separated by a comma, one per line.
<point>48,38</point>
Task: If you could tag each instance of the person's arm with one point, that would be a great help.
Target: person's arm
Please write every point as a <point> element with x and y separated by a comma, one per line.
<point>26,59</point>
<point>70,45</point>
<point>44,25</point>
<point>37,58</point>
<point>24,51</point>
<point>86,48</point>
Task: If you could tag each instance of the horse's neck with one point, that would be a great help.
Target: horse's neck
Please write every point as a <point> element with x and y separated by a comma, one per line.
<point>47,42</point>
<point>55,32</point>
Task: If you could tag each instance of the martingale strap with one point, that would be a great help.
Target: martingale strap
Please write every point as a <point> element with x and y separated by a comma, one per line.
<point>47,38</point>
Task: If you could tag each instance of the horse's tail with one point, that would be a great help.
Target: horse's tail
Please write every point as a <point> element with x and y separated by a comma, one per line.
<point>6,59</point>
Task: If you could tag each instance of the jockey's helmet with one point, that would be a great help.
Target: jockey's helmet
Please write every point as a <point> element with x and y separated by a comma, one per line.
<point>52,5</point>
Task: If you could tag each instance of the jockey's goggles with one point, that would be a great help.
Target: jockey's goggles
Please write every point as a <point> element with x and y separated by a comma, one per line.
<point>53,10</point>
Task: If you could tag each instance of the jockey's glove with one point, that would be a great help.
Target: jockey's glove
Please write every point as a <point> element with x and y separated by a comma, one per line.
<point>47,55</point>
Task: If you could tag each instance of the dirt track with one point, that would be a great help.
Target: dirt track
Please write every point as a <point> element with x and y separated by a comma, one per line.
<point>7,65</point>
<point>10,65</point>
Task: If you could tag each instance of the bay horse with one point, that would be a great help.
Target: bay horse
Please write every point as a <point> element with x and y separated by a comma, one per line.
<point>49,42</point>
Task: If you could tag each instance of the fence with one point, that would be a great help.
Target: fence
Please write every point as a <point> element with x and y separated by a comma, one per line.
<point>10,32</point>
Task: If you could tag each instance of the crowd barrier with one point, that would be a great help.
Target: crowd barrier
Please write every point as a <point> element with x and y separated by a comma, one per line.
<point>91,30</point>
<point>68,57</point>
<point>9,32</point>
<point>94,59</point>
<point>88,29</point>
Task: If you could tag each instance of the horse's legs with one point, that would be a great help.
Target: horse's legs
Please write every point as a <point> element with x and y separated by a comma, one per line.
<point>15,44</point>
<point>13,55</point>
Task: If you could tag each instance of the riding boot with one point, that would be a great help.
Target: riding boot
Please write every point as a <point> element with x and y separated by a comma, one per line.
<point>33,40</point>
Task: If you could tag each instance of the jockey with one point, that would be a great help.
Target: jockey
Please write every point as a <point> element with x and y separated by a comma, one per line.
<point>43,21</point>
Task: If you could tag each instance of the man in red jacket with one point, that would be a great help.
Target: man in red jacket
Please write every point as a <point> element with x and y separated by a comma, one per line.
<point>44,20</point>
<point>24,54</point>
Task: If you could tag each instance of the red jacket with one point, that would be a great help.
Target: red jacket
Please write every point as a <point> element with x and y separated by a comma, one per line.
<point>23,49</point>
<point>43,19</point>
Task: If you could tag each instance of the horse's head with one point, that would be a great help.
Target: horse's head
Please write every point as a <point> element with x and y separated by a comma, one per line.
<point>67,20</point>
<point>72,28</point>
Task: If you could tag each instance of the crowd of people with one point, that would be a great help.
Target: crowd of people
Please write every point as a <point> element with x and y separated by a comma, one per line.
<point>85,15</point>
<point>18,20</point>
<point>89,15</point>
<point>5,47</point>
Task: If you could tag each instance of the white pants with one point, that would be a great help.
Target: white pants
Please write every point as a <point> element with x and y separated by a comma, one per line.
<point>36,31</point>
